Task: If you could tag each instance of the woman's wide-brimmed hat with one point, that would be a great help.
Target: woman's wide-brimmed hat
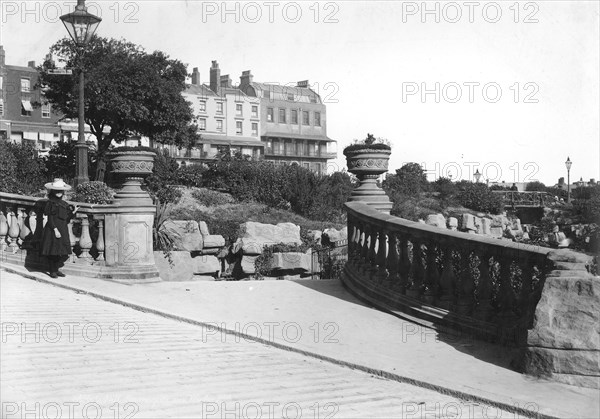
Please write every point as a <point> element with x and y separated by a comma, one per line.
<point>57,185</point>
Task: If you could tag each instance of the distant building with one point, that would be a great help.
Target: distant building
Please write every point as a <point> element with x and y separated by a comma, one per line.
<point>578,184</point>
<point>20,121</point>
<point>294,123</point>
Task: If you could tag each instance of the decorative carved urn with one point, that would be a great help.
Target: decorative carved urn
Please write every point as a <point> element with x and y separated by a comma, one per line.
<point>132,166</point>
<point>369,161</point>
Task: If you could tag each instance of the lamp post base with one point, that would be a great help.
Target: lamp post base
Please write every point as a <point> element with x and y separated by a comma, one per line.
<point>81,163</point>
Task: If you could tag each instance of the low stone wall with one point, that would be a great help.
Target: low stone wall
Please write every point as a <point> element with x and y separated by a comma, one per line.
<point>564,343</point>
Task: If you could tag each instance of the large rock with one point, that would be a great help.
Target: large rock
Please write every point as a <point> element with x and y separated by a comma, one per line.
<point>500,221</point>
<point>564,342</point>
<point>479,225</point>
<point>468,223</point>
<point>203,228</point>
<point>486,226</point>
<point>206,265</point>
<point>180,268</point>
<point>496,232</point>
<point>185,234</point>
<point>453,223</point>
<point>291,261</point>
<point>436,220</point>
<point>213,240</point>
<point>331,235</point>
<point>256,236</point>
<point>247,264</point>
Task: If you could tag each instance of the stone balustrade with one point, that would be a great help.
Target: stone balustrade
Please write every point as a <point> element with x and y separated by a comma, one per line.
<point>477,285</point>
<point>108,241</point>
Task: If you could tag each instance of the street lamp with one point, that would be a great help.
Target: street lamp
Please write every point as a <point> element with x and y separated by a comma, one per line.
<point>81,26</point>
<point>568,164</point>
<point>477,176</point>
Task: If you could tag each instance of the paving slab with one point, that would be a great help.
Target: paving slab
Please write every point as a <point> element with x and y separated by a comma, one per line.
<point>321,319</point>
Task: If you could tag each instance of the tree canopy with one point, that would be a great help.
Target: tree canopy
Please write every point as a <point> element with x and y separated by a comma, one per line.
<point>127,92</point>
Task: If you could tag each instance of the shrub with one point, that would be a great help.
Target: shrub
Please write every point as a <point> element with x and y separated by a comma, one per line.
<point>189,175</point>
<point>21,169</point>
<point>409,180</point>
<point>535,186</point>
<point>93,193</point>
<point>163,175</point>
<point>211,198</point>
<point>478,197</point>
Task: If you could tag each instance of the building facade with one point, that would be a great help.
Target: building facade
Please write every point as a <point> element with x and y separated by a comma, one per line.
<point>20,119</point>
<point>294,123</point>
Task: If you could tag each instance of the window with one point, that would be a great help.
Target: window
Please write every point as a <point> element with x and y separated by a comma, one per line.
<point>26,108</point>
<point>238,127</point>
<point>255,129</point>
<point>313,99</point>
<point>282,116</point>
<point>1,106</point>
<point>202,124</point>
<point>220,108</point>
<point>220,125</point>
<point>202,106</point>
<point>25,86</point>
<point>294,116</point>
<point>269,114</point>
<point>317,120</point>
<point>305,118</point>
<point>290,96</point>
<point>238,109</point>
<point>254,111</point>
<point>46,110</point>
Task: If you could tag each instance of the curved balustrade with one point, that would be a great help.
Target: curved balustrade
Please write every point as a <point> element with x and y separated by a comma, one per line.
<point>441,278</point>
<point>525,199</point>
<point>108,241</point>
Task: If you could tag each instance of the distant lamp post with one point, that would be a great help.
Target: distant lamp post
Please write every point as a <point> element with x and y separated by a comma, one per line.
<point>477,176</point>
<point>568,164</point>
<point>81,26</point>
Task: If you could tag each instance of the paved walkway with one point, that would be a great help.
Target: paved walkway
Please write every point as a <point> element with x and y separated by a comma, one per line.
<point>321,319</point>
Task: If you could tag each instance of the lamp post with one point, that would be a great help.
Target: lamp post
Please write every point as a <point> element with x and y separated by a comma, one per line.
<point>568,164</point>
<point>81,26</point>
<point>477,176</point>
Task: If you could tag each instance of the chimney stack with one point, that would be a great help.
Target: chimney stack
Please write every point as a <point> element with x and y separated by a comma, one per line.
<point>215,77</point>
<point>592,181</point>
<point>196,77</point>
<point>225,81</point>
<point>303,83</point>
<point>31,64</point>
<point>246,78</point>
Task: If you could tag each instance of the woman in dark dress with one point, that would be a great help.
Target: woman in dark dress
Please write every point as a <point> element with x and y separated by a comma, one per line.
<point>56,243</point>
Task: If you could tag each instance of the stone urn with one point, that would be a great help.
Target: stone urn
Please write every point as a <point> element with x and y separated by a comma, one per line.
<point>368,162</point>
<point>132,166</point>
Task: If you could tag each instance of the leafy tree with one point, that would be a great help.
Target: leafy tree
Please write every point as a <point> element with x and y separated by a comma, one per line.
<point>60,161</point>
<point>409,180</point>
<point>444,187</point>
<point>535,186</point>
<point>478,197</point>
<point>127,91</point>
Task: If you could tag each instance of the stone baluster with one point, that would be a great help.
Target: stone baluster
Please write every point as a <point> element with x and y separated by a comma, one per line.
<point>466,284</point>
<point>484,309</point>
<point>100,241</point>
<point>85,241</point>
<point>382,273</point>
<point>416,273</point>
<point>364,250</point>
<point>448,280</point>
<point>23,231</point>
<point>372,254</point>
<point>354,240</point>
<point>13,231</point>
<point>432,276</point>
<point>3,231</point>
<point>506,297</point>
<point>404,267</point>
<point>393,261</point>
<point>32,221</point>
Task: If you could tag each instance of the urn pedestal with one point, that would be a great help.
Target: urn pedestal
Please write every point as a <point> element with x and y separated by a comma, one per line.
<point>132,167</point>
<point>368,164</point>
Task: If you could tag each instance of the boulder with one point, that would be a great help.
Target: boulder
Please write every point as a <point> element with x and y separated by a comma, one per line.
<point>315,235</point>
<point>496,232</point>
<point>291,261</point>
<point>203,228</point>
<point>247,264</point>
<point>436,220</point>
<point>181,268</point>
<point>468,223</point>
<point>478,225</point>
<point>185,234</point>
<point>205,264</point>
<point>500,221</point>
<point>333,235</point>
<point>486,225</point>
<point>453,223</point>
<point>256,236</point>
<point>213,240</point>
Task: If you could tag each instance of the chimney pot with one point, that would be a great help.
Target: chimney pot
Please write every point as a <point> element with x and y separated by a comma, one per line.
<point>196,77</point>
<point>215,77</point>
<point>31,64</point>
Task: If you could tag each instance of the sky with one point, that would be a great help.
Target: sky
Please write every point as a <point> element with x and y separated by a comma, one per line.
<point>509,88</point>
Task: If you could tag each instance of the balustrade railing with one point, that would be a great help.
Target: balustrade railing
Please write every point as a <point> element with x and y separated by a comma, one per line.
<point>530,199</point>
<point>478,285</point>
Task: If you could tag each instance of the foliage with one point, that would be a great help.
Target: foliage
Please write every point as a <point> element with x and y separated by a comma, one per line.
<point>163,175</point>
<point>409,180</point>
<point>535,186</point>
<point>370,142</point>
<point>414,208</point>
<point>127,90</point>
<point>190,175</point>
<point>60,162</point>
<point>587,204</point>
<point>478,197</point>
<point>93,192</point>
<point>21,171</point>
<point>160,239</point>
<point>499,187</point>
<point>210,198</point>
